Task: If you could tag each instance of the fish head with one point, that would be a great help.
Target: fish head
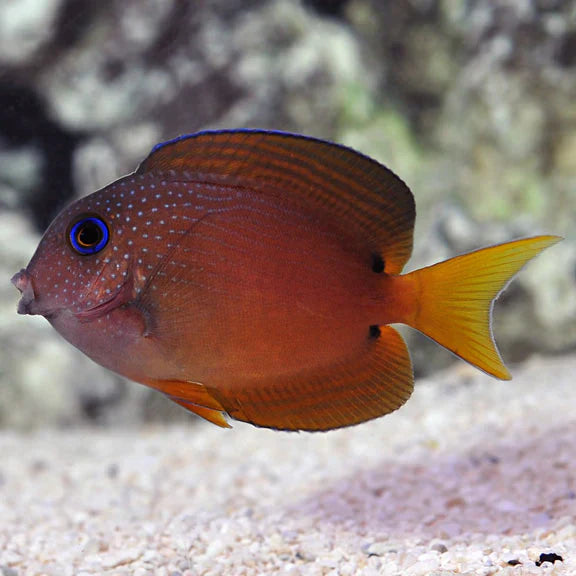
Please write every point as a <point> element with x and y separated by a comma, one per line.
<point>82,266</point>
<point>97,266</point>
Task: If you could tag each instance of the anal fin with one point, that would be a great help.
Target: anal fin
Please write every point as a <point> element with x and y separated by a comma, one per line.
<point>377,380</point>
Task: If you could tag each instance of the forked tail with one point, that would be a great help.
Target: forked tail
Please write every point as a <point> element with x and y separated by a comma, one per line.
<point>455,298</point>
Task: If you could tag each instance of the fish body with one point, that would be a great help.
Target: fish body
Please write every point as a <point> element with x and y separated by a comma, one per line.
<point>256,274</point>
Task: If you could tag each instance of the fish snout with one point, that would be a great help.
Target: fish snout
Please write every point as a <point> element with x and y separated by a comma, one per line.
<point>23,281</point>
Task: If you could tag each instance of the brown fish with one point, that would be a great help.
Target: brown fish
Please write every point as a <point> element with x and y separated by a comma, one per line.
<point>256,274</point>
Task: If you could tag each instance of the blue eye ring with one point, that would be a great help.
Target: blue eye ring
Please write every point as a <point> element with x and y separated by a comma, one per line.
<point>88,235</point>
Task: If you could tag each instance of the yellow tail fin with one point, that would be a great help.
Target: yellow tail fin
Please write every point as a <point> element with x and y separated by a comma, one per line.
<point>456,296</point>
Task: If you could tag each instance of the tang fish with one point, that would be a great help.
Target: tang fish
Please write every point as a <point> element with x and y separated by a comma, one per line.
<point>255,274</point>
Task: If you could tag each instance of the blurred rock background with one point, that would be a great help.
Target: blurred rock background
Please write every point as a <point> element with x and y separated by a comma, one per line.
<point>472,102</point>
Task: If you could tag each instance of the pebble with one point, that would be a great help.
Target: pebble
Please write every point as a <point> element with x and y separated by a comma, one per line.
<point>377,549</point>
<point>439,547</point>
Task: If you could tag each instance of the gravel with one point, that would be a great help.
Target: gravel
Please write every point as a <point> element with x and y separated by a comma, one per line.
<point>473,477</point>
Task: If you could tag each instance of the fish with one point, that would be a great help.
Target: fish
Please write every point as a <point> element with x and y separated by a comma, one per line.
<point>256,275</point>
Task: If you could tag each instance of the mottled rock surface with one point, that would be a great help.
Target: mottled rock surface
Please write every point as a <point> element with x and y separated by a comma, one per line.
<point>472,103</point>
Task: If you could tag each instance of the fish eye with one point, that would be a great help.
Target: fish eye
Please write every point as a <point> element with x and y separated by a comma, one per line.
<point>88,235</point>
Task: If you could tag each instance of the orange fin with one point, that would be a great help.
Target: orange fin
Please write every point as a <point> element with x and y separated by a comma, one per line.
<point>192,392</point>
<point>330,180</point>
<point>455,299</point>
<point>377,381</point>
<point>194,397</point>
<point>213,416</point>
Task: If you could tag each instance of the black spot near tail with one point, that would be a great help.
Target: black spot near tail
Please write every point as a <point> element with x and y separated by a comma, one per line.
<point>377,263</point>
<point>374,332</point>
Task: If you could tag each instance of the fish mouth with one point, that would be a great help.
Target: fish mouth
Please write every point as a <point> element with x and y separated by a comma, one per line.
<point>28,304</point>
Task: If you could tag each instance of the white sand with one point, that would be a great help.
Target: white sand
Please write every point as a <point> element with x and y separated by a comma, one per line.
<point>470,474</point>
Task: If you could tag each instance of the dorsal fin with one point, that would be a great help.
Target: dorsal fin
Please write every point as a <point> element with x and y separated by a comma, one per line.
<point>366,198</point>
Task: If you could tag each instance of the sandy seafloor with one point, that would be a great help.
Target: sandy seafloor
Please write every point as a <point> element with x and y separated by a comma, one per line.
<point>472,476</point>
